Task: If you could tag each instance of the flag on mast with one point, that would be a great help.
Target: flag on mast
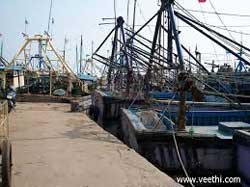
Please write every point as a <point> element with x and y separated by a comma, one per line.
<point>201,1</point>
<point>26,21</point>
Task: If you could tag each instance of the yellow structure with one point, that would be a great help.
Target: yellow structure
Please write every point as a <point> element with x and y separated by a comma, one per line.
<point>45,46</point>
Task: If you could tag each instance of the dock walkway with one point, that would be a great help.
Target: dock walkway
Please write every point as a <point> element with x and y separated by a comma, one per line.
<point>53,147</point>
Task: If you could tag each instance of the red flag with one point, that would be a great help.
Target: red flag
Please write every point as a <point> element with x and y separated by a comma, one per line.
<point>202,1</point>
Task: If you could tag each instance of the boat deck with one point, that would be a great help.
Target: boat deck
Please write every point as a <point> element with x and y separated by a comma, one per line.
<point>53,147</point>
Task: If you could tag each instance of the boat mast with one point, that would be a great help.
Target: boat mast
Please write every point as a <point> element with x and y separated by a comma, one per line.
<point>50,13</point>
<point>182,75</point>
<point>167,5</point>
<point>81,55</point>
<point>77,60</point>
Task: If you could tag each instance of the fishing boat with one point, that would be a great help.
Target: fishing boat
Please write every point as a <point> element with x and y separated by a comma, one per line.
<point>172,110</point>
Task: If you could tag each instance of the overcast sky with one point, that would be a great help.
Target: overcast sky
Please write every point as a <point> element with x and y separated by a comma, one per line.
<point>76,17</point>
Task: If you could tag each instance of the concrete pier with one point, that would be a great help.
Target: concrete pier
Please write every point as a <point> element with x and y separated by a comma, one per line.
<point>53,147</point>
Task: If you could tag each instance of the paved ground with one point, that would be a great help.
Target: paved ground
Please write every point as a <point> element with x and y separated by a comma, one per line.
<point>55,148</point>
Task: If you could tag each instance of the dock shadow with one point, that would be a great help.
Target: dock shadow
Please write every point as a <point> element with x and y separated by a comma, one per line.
<point>87,131</point>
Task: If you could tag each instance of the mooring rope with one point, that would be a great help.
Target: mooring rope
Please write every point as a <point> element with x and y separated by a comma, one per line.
<point>176,143</point>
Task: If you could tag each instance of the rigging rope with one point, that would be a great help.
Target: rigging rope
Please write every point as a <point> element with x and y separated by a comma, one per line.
<point>174,138</point>
<point>220,13</point>
<point>221,20</point>
<point>204,17</point>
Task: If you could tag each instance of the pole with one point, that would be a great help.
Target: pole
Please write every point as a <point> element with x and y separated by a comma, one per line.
<point>64,49</point>
<point>181,77</point>
<point>50,82</point>
<point>40,54</point>
<point>81,55</point>
<point>52,22</point>
<point>170,41</point>
<point>112,59</point>
<point>92,61</point>
<point>1,54</point>
<point>4,80</point>
<point>25,26</point>
<point>92,48</point>
<point>77,59</point>
<point>135,1</point>
<point>133,30</point>
<point>50,12</point>
<point>128,6</point>
<point>153,50</point>
<point>115,11</point>
<point>64,52</point>
<point>28,82</point>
